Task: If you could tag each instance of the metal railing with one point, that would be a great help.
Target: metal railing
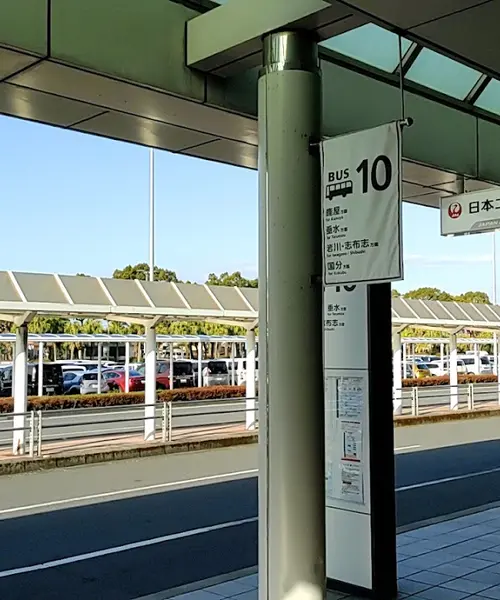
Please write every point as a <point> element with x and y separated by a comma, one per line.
<point>72,428</point>
<point>425,400</point>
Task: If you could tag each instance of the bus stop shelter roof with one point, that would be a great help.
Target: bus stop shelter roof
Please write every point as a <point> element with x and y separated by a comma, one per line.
<point>25,294</point>
<point>453,316</point>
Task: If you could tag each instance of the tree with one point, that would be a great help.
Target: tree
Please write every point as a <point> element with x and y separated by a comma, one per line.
<point>141,271</point>
<point>395,293</point>
<point>235,279</point>
<point>428,293</point>
<point>474,298</point>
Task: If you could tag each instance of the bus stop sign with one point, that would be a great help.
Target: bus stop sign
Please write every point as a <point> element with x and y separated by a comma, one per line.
<point>361,189</point>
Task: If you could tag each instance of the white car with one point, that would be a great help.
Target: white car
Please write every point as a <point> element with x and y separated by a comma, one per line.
<point>88,384</point>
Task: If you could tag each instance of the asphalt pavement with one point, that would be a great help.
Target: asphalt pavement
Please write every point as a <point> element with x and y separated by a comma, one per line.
<point>122,530</point>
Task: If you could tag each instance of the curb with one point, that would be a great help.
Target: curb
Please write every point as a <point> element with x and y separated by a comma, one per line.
<point>408,421</point>
<point>29,465</point>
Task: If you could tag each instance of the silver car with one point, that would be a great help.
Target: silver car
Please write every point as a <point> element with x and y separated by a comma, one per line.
<point>88,384</point>
<point>215,372</point>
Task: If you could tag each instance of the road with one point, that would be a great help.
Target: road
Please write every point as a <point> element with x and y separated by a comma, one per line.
<point>121,420</point>
<point>193,516</point>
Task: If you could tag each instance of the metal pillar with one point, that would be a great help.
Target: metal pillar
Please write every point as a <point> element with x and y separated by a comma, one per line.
<point>99,367</point>
<point>453,373</point>
<point>200,356</point>
<point>250,383</point>
<point>233,374</point>
<point>477,359</point>
<point>127,366</point>
<point>20,389</point>
<point>151,215</point>
<point>441,357</point>
<point>397,377</point>
<point>40,369</point>
<point>171,370</point>
<point>291,415</point>
<point>150,393</point>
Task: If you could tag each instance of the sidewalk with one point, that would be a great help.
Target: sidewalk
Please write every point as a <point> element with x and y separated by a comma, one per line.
<point>65,447</point>
<point>451,560</point>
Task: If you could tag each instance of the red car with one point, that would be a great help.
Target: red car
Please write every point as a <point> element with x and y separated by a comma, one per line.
<point>116,380</point>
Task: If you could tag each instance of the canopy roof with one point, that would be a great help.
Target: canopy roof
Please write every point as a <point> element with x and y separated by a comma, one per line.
<point>445,315</point>
<point>24,294</point>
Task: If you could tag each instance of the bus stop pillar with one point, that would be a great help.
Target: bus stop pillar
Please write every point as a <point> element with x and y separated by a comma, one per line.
<point>250,381</point>
<point>150,393</point>
<point>127,367</point>
<point>291,415</point>
<point>20,389</point>
<point>397,377</point>
<point>453,372</point>
<point>40,369</point>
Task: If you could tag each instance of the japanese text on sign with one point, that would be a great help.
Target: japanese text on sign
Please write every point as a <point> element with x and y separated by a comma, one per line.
<point>361,206</point>
<point>474,212</point>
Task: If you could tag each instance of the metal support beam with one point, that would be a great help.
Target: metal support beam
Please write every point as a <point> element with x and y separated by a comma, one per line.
<point>171,366</point>
<point>453,373</point>
<point>409,57</point>
<point>200,358</point>
<point>99,367</point>
<point>40,369</point>
<point>127,367</point>
<point>228,39</point>
<point>291,415</point>
<point>150,393</point>
<point>397,368</point>
<point>20,389</point>
<point>250,382</point>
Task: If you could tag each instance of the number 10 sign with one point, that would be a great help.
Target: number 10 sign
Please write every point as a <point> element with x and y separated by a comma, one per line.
<point>361,188</point>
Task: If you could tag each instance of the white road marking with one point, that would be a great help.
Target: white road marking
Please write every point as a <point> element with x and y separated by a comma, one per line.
<point>133,546</point>
<point>416,486</point>
<point>407,448</point>
<point>157,486</point>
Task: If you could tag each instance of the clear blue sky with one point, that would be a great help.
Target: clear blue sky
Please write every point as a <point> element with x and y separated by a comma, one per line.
<point>78,203</point>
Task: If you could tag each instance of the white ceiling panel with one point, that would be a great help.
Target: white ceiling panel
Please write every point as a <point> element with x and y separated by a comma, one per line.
<point>37,106</point>
<point>233,153</point>
<point>11,62</point>
<point>126,97</point>
<point>144,131</point>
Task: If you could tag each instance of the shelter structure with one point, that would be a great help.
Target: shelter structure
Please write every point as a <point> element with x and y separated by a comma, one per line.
<point>24,295</point>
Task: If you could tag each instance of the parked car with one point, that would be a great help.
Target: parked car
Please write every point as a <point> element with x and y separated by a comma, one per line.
<point>419,370</point>
<point>52,380</point>
<point>183,374</point>
<point>435,368</point>
<point>480,367</point>
<point>214,372</point>
<point>115,379</point>
<point>72,381</point>
<point>88,384</point>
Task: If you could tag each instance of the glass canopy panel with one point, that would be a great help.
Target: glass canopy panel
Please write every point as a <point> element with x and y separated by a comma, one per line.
<point>490,98</point>
<point>443,74</point>
<point>370,44</point>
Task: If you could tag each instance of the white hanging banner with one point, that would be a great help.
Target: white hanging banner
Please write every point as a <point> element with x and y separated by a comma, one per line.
<point>361,187</point>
